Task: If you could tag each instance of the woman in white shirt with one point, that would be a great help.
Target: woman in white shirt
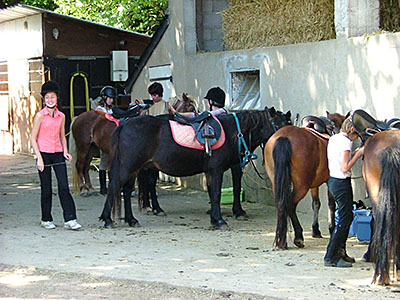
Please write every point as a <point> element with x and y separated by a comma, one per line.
<point>340,162</point>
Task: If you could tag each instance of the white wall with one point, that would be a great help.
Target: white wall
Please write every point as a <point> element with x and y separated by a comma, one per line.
<point>337,75</point>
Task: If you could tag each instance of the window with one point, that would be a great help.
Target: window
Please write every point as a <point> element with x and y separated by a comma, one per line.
<point>245,90</point>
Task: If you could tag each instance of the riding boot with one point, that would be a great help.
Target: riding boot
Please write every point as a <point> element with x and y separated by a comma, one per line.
<point>103,182</point>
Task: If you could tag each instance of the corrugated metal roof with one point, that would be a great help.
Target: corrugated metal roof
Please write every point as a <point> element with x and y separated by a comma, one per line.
<point>22,11</point>
<point>17,12</point>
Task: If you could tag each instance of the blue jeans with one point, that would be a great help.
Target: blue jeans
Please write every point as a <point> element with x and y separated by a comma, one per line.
<point>67,203</point>
<point>343,194</point>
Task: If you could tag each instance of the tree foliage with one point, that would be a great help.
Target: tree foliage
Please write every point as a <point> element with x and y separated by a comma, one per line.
<point>137,15</point>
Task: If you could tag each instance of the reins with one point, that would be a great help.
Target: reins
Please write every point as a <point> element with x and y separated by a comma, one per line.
<point>29,167</point>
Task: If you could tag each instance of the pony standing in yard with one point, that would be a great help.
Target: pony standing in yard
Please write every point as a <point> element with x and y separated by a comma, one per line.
<point>148,141</point>
<point>381,172</point>
<point>296,161</point>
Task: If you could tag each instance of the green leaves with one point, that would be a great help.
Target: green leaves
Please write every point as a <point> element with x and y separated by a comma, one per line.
<point>137,15</point>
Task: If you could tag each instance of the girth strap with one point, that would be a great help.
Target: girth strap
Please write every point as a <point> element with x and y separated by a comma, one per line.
<point>248,156</point>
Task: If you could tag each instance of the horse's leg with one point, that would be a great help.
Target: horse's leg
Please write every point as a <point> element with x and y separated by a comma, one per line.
<point>89,157</point>
<point>151,185</point>
<point>298,230</point>
<point>237,209</point>
<point>143,193</point>
<point>214,183</point>
<point>331,216</point>
<point>127,192</point>
<point>316,205</point>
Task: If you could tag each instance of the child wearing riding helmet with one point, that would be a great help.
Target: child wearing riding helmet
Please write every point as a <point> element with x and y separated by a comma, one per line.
<point>107,96</point>
<point>340,162</point>
<point>50,146</point>
<point>216,102</point>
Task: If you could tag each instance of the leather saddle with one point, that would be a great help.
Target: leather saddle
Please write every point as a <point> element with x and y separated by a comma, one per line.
<point>366,126</point>
<point>133,111</point>
<point>207,128</point>
<point>320,124</point>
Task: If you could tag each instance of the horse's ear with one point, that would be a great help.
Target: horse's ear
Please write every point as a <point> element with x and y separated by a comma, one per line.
<point>288,115</point>
<point>272,111</point>
<point>328,114</point>
<point>347,115</point>
<point>184,97</point>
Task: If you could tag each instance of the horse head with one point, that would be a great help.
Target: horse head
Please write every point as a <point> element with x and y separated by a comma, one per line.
<point>337,120</point>
<point>186,104</point>
<point>265,123</point>
<point>279,119</point>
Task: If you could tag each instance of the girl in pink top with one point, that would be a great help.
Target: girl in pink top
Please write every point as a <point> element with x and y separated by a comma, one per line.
<point>50,146</point>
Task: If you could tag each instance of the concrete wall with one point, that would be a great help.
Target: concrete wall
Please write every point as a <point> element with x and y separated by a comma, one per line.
<point>337,75</point>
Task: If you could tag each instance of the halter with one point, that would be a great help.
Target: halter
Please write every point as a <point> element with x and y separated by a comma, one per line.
<point>248,156</point>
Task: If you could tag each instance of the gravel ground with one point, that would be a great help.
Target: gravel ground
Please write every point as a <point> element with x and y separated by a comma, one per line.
<point>174,257</point>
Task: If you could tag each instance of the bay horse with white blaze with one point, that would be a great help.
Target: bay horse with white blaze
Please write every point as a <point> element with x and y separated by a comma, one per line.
<point>147,141</point>
<point>381,172</point>
<point>296,161</point>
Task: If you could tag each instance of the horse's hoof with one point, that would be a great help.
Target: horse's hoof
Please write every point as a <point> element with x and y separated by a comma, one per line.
<point>299,243</point>
<point>159,213</point>
<point>134,223</point>
<point>220,224</point>
<point>108,225</point>
<point>84,194</point>
<point>242,217</point>
<point>317,235</point>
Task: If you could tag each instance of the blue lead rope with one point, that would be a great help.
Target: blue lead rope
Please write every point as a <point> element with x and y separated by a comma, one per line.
<point>248,156</point>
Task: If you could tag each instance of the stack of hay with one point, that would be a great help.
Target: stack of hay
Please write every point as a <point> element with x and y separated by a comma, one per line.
<point>261,23</point>
<point>389,15</point>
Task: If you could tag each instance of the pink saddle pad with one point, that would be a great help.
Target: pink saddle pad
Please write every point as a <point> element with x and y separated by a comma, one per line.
<point>184,135</point>
<point>109,117</point>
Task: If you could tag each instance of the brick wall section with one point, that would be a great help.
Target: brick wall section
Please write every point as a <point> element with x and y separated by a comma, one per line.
<point>211,23</point>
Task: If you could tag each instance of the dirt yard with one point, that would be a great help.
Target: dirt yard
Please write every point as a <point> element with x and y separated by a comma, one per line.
<point>174,257</point>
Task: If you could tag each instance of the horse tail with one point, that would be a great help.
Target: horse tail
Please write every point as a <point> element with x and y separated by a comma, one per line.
<point>282,154</point>
<point>74,153</point>
<point>385,238</point>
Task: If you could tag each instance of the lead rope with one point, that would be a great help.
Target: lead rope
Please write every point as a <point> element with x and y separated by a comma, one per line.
<point>248,156</point>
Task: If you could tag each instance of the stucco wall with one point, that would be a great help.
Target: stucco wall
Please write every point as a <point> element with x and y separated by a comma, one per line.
<point>337,75</point>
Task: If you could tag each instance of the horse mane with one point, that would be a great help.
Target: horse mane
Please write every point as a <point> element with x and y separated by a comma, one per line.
<point>251,119</point>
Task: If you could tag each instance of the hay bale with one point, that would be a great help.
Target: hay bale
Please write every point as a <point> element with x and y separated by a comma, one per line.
<point>261,23</point>
<point>389,15</point>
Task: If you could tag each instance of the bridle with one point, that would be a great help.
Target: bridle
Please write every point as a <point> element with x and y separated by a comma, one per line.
<point>248,156</point>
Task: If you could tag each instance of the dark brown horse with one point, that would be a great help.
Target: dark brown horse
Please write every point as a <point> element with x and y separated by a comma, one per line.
<point>296,161</point>
<point>90,131</point>
<point>147,141</point>
<point>381,172</point>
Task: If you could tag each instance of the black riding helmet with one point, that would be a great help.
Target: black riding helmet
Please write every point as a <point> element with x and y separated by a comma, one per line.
<point>217,96</point>
<point>108,91</point>
<point>50,86</point>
